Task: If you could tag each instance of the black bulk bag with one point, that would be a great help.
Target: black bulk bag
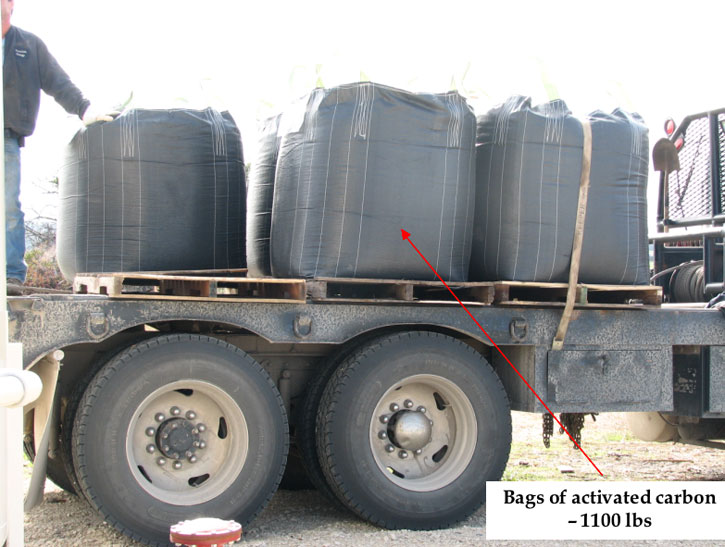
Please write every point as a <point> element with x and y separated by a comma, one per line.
<point>529,162</point>
<point>360,162</point>
<point>153,190</point>
<point>260,194</point>
<point>615,248</point>
<point>528,166</point>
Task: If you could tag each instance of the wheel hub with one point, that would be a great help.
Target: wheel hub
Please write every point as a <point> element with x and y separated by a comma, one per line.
<point>409,429</point>
<point>176,436</point>
<point>423,432</point>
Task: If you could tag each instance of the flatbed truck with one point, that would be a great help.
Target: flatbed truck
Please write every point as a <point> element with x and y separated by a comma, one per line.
<point>160,406</point>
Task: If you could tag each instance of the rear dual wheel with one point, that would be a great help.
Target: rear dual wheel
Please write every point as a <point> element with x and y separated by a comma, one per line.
<point>410,428</point>
<point>178,427</point>
<point>306,428</point>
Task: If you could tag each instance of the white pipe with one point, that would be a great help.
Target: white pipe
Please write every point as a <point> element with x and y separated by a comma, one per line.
<point>18,387</point>
<point>12,391</point>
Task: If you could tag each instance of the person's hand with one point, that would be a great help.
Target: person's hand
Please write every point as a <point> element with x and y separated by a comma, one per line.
<point>93,116</point>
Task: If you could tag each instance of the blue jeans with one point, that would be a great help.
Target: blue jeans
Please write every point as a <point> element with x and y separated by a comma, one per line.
<point>14,217</point>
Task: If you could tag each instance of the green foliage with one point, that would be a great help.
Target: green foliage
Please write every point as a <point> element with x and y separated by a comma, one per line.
<point>43,269</point>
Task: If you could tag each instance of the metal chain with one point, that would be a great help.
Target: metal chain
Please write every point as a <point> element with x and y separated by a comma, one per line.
<point>574,423</point>
<point>547,426</point>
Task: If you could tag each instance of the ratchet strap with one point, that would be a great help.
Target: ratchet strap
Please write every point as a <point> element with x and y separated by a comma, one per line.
<point>576,251</point>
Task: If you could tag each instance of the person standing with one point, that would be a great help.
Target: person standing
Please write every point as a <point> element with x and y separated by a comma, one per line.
<point>28,68</point>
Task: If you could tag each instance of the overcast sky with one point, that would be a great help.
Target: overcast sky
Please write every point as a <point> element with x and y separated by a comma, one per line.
<point>657,58</point>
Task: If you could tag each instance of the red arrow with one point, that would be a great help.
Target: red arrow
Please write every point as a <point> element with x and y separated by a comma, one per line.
<point>406,235</point>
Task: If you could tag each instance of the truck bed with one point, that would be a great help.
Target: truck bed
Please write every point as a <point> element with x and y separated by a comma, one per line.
<point>627,341</point>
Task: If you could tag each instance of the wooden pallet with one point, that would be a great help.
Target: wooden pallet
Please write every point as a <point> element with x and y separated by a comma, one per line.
<point>229,272</point>
<point>481,293</point>
<point>520,292</point>
<point>231,285</point>
<point>190,286</point>
<point>396,291</point>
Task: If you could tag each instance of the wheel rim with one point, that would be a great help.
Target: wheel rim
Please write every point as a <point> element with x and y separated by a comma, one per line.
<point>187,442</point>
<point>411,451</point>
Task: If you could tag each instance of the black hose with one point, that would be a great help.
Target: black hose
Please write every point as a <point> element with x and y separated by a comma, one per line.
<point>672,269</point>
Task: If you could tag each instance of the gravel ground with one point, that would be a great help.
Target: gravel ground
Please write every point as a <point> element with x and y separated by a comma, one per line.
<point>307,518</point>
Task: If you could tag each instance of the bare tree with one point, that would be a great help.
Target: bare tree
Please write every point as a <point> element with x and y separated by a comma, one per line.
<point>40,234</point>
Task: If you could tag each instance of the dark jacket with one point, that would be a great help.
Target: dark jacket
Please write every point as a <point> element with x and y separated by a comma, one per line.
<point>28,67</point>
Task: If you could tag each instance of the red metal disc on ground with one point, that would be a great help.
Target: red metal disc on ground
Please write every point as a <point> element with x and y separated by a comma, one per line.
<point>205,531</point>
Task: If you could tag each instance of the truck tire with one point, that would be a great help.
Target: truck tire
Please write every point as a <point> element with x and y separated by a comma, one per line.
<point>410,428</point>
<point>55,469</point>
<point>56,472</point>
<point>651,427</point>
<point>177,427</point>
<point>67,418</point>
<point>705,429</point>
<point>305,431</point>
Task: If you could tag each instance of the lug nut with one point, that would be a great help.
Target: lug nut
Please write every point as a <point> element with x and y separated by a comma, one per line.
<point>382,435</point>
<point>188,453</point>
<point>394,407</point>
<point>160,417</point>
<point>384,419</point>
<point>202,444</point>
<point>150,449</point>
<point>165,436</point>
<point>389,448</point>
<point>165,448</point>
<point>150,431</point>
<point>161,461</point>
<point>421,409</point>
<point>177,455</point>
<point>177,465</point>
<point>192,459</point>
<point>418,452</point>
<point>201,428</point>
<point>174,425</point>
<point>408,403</point>
<point>196,444</point>
<point>402,454</point>
<point>175,411</point>
<point>190,415</point>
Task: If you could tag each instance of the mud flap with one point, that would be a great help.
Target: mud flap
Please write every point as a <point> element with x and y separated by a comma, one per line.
<point>38,415</point>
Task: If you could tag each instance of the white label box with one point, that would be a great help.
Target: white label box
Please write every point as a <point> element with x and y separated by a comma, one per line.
<point>605,510</point>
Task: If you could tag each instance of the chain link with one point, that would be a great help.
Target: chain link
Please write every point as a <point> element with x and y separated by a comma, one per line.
<point>547,426</point>
<point>574,423</point>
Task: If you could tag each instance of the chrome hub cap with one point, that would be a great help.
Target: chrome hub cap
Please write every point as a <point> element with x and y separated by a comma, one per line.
<point>423,432</point>
<point>409,429</point>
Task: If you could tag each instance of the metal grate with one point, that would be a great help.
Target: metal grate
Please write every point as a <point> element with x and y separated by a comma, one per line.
<point>690,191</point>
<point>721,141</point>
